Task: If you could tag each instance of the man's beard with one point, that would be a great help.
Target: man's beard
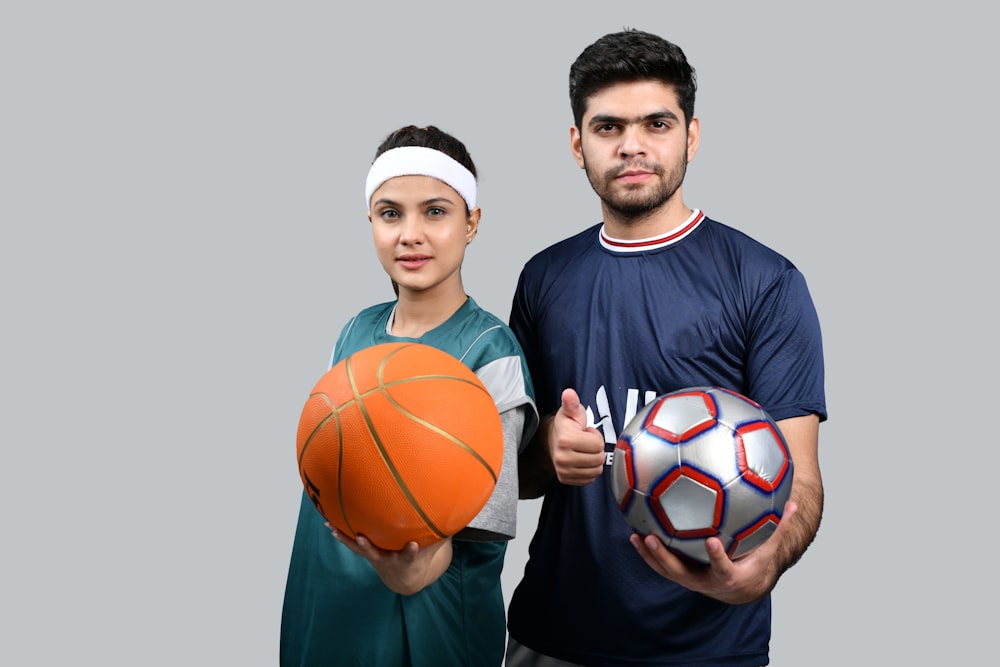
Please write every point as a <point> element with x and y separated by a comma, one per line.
<point>640,201</point>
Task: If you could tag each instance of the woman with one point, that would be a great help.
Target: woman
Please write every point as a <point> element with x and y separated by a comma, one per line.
<point>346,601</point>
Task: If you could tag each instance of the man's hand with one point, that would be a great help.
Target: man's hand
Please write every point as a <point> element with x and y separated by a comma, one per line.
<point>577,450</point>
<point>734,582</point>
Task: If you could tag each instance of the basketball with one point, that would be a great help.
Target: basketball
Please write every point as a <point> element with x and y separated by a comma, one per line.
<point>399,442</point>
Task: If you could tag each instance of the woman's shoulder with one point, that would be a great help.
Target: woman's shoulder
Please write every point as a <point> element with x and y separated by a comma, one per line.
<point>485,335</point>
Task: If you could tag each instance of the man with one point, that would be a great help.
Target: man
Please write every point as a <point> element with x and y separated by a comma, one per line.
<point>658,298</point>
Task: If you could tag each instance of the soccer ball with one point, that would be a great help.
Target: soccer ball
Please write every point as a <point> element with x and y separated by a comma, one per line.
<point>702,462</point>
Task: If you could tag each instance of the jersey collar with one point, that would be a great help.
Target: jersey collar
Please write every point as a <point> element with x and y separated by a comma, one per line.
<point>662,241</point>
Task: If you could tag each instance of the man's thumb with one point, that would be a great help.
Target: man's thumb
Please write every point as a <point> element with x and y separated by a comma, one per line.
<point>573,408</point>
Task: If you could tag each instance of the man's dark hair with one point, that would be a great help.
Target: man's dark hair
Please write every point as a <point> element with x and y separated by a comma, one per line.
<point>630,55</point>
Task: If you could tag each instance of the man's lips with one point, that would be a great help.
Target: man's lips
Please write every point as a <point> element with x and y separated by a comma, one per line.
<point>633,176</point>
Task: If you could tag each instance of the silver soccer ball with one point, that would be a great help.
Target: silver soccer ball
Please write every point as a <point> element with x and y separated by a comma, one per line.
<point>702,462</point>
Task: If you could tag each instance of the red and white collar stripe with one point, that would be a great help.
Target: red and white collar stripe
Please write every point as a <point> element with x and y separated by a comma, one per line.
<point>641,245</point>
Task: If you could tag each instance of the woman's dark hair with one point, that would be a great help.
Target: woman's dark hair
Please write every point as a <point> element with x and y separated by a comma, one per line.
<point>428,137</point>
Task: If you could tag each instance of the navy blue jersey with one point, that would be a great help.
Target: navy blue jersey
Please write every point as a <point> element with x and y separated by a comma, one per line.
<point>623,322</point>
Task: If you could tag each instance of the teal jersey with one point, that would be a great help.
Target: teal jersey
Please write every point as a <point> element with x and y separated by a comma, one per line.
<point>336,609</point>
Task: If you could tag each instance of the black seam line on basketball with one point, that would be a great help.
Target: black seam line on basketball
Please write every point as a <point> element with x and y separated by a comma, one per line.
<point>444,434</point>
<point>384,454</point>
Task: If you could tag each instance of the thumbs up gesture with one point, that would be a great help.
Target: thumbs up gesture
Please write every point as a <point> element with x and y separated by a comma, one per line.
<point>576,449</point>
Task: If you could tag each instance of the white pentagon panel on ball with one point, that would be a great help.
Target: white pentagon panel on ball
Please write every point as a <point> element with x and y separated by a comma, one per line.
<point>688,503</point>
<point>713,453</point>
<point>682,416</point>
<point>765,459</point>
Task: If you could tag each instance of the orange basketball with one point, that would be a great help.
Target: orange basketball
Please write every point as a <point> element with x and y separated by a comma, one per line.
<point>399,442</point>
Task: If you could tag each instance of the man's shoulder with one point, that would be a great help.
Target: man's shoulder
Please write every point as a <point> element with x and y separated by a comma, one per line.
<point>568,247</point>
<point>746,245</point>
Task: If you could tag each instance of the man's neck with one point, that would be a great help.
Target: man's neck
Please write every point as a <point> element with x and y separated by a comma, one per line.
<point>648,225</point>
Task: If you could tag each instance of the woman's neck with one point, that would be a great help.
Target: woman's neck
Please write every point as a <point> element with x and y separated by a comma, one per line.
<point>416,314</point>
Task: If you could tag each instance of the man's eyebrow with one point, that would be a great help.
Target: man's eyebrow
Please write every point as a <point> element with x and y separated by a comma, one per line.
<point>662,114</point>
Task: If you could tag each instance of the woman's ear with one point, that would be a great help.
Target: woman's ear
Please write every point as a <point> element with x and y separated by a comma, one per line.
<point>472,224</point>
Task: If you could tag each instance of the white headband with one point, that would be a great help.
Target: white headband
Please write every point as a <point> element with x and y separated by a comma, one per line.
<point>421,161</point>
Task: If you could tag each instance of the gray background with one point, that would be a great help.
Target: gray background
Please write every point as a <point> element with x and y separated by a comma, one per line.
<point>184,235</point>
